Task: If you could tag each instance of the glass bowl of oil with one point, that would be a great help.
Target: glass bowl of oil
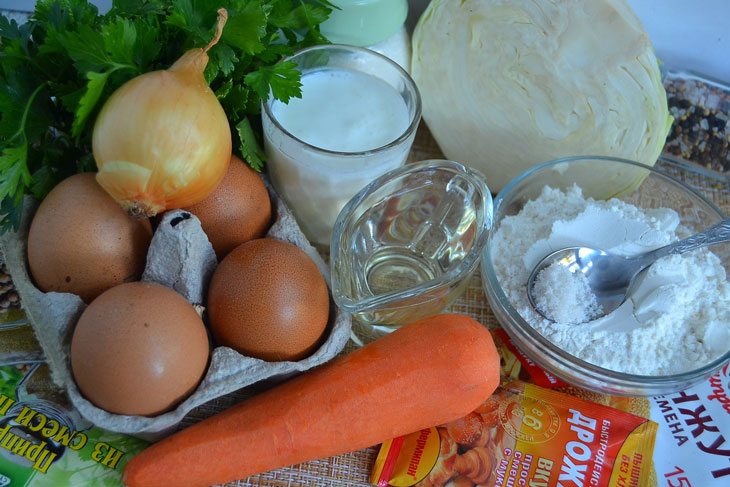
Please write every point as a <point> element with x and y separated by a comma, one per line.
<point>405,246</point>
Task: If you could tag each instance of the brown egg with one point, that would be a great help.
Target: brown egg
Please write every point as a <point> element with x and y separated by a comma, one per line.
<point>139,349</point>
<point>237,211</point>
<point>268,300</point>
<point>81,241</point>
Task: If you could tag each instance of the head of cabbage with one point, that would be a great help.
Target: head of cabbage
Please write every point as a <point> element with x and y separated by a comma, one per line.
<point>508,84</point>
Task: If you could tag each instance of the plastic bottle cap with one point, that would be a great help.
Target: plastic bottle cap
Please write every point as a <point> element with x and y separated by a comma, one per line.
<point>364,22</point>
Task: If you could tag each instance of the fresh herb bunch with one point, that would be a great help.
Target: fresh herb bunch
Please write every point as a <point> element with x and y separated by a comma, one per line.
<point>58,69</point>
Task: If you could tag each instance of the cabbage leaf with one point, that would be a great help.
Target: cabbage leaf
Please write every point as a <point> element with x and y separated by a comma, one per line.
<point>508,84</point>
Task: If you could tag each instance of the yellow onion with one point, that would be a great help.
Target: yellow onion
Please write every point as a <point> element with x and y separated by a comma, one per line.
<point>162,140</point>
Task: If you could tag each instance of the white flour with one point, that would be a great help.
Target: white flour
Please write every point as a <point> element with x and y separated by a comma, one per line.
<point>564,296</point>
<point>678,317</point>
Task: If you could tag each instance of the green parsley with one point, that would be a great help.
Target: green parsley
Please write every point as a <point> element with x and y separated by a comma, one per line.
<point>58,69</point>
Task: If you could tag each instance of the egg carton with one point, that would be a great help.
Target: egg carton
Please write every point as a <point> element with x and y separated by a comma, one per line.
<point>180,257</point>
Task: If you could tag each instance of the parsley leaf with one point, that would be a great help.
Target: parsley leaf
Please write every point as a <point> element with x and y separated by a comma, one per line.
<point>15,179</point>
<point>10,213</point>
<point>246,27</point>
<point>226,59</point>
<point>137,8</point>
<point>225,88</point>
<point>235,101</point>
<point>303,16</point>
<point>9,29</point>
<point>146,48</point>
<point>283,78</point>
<point>250,148</point>
<point>88,101</point>
<point>12,165</point>
<point>86,47</point>
<point>44,179</point>
<point>184,15</point>
<point>59,68</point>
<point>120,38</point>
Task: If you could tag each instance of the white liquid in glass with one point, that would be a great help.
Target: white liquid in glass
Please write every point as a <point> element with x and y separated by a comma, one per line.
<point>345,111</point>
<point>340,110</point>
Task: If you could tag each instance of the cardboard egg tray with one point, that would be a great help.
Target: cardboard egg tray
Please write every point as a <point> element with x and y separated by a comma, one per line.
<point>181,258</point>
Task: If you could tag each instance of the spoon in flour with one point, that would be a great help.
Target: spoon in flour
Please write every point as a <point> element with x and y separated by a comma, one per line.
<point>607,276</point>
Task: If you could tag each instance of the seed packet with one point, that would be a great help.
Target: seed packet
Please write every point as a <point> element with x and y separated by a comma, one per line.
<point>525,434</point>
<point>44,442</point>
<point>693,442</point>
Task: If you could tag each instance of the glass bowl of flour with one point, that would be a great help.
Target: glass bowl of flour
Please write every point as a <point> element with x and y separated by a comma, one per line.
<point>672,331</point>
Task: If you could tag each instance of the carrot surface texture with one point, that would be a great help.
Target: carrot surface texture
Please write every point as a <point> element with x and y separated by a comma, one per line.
<point>426,373</point>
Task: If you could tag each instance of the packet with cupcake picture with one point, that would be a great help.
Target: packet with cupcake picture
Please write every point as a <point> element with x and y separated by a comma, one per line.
<point>525,434</point>
<point>693,438</point>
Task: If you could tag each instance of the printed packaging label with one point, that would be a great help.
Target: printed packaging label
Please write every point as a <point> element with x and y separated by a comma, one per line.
<point>693,442</point>
<point>693,437</point>
<point>525,435</point>
<point>44,442</point>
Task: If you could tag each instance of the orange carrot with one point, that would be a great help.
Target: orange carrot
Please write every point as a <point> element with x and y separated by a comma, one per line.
<point>426,373</point>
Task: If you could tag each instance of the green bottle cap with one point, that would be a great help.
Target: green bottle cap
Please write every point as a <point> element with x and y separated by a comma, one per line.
<point>364,22</point>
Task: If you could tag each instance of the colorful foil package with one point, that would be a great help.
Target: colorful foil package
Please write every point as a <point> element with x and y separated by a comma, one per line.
<point>44,441</point>
<point>693,437</point>
<point>525,435</point>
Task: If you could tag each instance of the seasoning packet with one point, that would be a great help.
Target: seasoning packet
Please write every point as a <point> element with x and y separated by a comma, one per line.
<point>693,436</point>
<point>528,435</point>
<point>693,442</point>
<point>44,441</point>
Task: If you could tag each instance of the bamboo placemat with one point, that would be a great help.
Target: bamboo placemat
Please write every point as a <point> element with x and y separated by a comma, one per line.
<point>353,469</point>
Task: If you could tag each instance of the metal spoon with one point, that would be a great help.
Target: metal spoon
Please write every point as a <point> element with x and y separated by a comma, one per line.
<point>610,276</point>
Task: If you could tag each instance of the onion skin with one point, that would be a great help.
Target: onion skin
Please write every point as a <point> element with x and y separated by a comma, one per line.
<point>162,140</point>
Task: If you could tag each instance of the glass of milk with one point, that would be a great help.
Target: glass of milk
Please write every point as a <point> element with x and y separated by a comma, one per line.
<point>355,121</point>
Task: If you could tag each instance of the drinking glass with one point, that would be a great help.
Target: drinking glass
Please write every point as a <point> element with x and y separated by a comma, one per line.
<point>315,182</point>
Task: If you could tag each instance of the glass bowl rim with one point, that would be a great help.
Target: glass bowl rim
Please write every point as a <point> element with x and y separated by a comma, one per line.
<point>463,269</point>
<point>410,130</point>
<point>518,326</point>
